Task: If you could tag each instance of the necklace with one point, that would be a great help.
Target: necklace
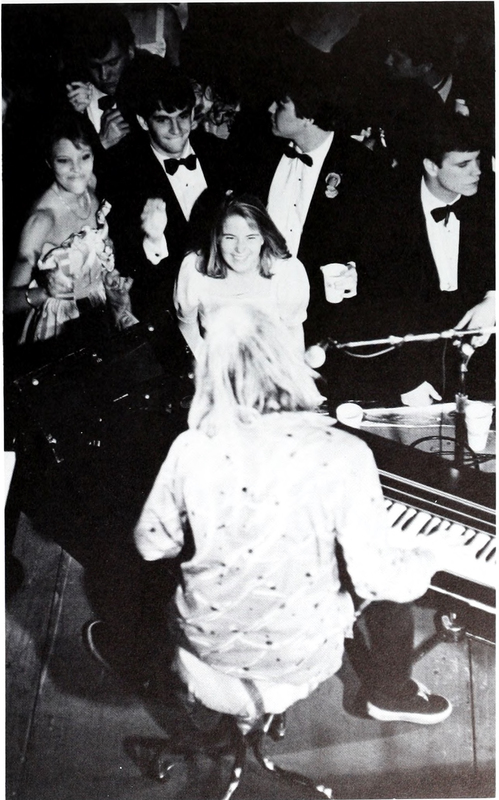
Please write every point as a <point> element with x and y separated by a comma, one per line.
<point>86,201</point>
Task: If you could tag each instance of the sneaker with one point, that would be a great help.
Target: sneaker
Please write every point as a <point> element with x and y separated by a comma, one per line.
<point>90,633</point>
<point>421,707</point>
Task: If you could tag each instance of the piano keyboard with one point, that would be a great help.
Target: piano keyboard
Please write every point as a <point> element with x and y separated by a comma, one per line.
<point>427,496</point>
<point>469,553</point>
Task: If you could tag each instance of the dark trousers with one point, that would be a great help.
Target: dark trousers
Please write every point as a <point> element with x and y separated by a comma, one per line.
<point>382,648</point>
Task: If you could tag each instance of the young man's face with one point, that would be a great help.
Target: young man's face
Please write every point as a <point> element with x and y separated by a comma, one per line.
<point>459,173</point>
<point>285,122</point>
<point>107,71</point>
<point>169,130</point>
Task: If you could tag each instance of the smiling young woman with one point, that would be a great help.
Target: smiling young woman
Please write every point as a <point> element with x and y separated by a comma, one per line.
<point>65,258</point>
<point>247,260</point>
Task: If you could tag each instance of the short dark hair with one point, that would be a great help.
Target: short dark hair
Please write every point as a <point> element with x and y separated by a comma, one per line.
<point>70,125</point>
<point>102,26</point>
<point>162,87</point>
<point>312,100</point>
<point>452,133</point>
<point>256,215</point>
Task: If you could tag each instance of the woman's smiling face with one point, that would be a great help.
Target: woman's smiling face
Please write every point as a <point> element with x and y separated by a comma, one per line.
<point>72,166</point>
<point>241,245</point>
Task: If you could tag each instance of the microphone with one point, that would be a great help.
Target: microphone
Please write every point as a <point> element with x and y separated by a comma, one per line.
<point>466,349</point>
<point>315,356</point>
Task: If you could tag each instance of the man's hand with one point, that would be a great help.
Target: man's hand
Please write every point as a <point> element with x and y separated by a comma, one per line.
<point>422,395</point>
<point>113,128</point>
<point>79,95</point>
<point>482,315</point>
<point>154,219</point>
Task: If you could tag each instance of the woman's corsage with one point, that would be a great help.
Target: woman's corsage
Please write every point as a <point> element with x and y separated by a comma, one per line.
<point>333,180</point>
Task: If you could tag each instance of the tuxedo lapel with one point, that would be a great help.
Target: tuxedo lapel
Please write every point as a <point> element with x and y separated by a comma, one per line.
<point>156,183</point>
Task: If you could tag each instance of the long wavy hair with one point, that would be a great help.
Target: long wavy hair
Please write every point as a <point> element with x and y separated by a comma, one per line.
<point>248,366</point>
<point>255,214</point>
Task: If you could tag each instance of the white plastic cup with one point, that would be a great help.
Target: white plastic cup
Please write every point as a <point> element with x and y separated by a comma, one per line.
<point>478,417</point>
<point>340,280</point>
<point>350,414</point>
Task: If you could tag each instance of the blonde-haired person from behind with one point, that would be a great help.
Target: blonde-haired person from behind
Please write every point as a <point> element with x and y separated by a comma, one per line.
<point>267,488</point>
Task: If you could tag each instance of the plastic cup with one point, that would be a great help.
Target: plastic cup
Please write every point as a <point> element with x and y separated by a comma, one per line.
<point>350,414</point>
<point>478,417</point>
<point>340,280</point>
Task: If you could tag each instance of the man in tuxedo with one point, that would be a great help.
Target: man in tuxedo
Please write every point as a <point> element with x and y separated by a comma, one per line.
<point>428,260</point>
<point>167,173</point>
<point>318,184</point>
<point>105,52</point>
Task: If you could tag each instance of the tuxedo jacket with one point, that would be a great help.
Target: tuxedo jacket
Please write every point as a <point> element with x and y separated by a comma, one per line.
<point>397,265</point>
<point>399,292</point>
<point>139,176</point>
<point>330,231</point>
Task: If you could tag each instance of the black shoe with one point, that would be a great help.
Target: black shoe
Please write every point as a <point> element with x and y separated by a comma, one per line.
<point>419,706</point>
<point>90,634</point>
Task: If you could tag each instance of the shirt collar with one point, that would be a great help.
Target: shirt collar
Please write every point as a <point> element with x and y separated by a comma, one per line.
<point>161,157</point>
<point>318,152</point>
<point>429,200</point>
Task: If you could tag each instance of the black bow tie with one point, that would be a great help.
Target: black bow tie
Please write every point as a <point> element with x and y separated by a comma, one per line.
<point>106,102</point>
<point>290,152</point>
<point>443,212</point>
<point>172,164</point>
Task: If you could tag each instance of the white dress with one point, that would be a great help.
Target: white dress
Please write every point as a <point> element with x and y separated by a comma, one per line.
<point>286,294</point>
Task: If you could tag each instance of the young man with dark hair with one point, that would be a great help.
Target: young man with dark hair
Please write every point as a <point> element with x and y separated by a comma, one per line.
<point>429,266</point>
<point>318,184</point>
<point>110,65</point>
<point>165,172</point>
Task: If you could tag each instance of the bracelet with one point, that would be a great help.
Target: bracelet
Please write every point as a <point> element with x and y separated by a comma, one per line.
<point>29,302</point>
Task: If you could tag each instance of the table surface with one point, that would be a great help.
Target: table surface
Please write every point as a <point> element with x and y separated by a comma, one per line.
<point>429,428</point>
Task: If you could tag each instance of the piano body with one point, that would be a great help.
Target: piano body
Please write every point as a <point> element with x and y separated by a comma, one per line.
<point>426,495</point>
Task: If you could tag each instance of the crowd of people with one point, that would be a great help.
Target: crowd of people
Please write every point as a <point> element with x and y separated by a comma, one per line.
<point>209,186</point>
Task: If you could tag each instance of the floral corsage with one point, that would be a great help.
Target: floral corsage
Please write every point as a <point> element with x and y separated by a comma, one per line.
<point>333,180</point>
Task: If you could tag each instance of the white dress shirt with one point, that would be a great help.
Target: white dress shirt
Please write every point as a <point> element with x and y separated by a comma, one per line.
<point>291,192</point>
<point>93,111</point>
<point>443,238</point>
<point>187,185</point>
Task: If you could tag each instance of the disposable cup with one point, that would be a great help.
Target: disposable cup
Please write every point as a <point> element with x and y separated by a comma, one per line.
<point>340,280</point>
<point>350,414</point>
<point>478,417</point>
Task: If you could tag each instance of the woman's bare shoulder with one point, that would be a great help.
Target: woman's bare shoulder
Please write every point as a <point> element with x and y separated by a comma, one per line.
<point>41,221</point>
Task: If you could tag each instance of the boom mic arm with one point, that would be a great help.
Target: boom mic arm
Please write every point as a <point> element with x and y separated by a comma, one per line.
<point>315,355</point>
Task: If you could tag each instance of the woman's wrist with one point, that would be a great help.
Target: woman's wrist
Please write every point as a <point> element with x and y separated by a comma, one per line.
<point>35,296</point>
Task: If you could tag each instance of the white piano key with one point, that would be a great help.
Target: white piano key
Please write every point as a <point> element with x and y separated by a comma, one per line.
<point>478,544</point>
<point>467,553</point>
<point>461,561</point>
<point>395,513</point>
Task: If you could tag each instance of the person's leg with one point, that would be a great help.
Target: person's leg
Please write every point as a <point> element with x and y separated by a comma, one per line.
<point>390,628</point>
<point>391,694</point>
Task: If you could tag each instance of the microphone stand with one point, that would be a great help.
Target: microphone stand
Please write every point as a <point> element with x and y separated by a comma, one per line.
<point>466,351</point>
<point>461,400</point>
